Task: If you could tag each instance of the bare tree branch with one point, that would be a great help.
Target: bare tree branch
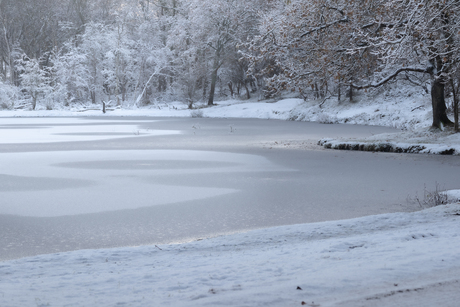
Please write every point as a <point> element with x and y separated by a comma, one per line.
<point>327,25</point>
<point>390,77</point>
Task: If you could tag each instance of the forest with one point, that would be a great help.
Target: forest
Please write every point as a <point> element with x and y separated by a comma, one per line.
<point>135,52</point>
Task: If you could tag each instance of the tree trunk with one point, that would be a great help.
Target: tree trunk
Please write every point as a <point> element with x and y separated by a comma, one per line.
<point>339,97</point>
<point>248,96</point>
<point>10,57</point>
<point>230,86</point>
<point>93,97</point>
<point>161,84</point>
<point>204,84</point>
<point>213,87</point>
<point>438,102</point>
<point>455,104</point>
<point>326,88</point>
<point>34,101</point>
<point>456,129</point>
<point>123,92</point>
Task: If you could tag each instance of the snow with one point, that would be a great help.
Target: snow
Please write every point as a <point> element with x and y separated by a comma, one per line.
<point>34,130</point>
<point>421,140</point>
<point>398,259</point>
<point>382,260</point>
<point>112,173</point>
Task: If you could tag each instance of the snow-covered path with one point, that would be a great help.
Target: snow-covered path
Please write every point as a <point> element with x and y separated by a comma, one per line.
<point>399,259</point>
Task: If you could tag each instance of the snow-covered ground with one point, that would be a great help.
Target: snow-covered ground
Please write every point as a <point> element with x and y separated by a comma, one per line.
<point>399,259</point>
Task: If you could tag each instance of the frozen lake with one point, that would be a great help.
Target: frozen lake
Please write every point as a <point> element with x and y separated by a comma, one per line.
<point>77,183</point>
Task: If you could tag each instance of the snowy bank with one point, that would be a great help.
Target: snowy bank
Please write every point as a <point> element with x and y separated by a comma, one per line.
<point>403,107</point>
<point>397,259</point>
<point>428,141</point>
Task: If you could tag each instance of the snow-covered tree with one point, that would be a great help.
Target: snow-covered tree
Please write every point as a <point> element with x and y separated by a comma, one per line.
<point>215,27</point>
<point>419,36</point>
<point>153,55</point>
<point>35,81</point>
<point>360,44</point>
<point>71,75</point>
<point>8,95</point>
<point>303,46</point>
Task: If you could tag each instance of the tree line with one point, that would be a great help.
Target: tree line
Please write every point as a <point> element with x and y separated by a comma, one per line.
<point>138,51</point>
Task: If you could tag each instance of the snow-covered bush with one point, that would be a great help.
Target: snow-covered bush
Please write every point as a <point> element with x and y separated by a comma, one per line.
<point>8,95</point>
<point>431,198</point>
<point>196,113</point>
<point>325,118</point>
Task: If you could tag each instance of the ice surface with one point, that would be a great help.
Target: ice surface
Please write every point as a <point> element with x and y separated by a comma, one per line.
<point>47,130</point>
<point>97,181</point>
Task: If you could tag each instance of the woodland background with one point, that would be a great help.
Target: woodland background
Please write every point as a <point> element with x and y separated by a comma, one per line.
<point>136,52</point>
